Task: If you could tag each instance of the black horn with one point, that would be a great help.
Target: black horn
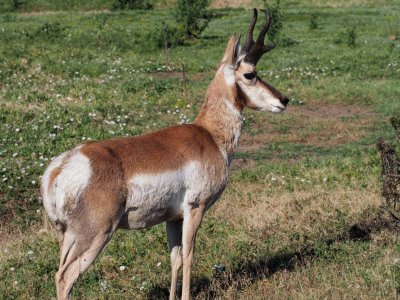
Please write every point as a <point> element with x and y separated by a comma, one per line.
<point>258,48</point>
<point>249,36</point>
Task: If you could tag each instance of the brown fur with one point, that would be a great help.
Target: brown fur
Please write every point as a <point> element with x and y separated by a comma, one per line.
<point>101,208</point>
<point>54,175</point>
<point>167,149</point>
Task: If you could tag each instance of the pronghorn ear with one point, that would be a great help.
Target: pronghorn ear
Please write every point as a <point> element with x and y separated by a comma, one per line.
<point>232,50</point>
<point>236,53</point>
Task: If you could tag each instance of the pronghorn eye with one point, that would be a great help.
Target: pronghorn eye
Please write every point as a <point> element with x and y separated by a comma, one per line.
<point>249,76</point>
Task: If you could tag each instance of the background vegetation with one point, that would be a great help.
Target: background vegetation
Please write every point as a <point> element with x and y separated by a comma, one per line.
<point>298,219</point>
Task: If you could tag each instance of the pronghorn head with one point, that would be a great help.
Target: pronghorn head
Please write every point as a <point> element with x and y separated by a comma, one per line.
<point>239,68</point>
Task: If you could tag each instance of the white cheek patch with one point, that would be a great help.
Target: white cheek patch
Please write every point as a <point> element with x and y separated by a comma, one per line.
<point>260,98</point>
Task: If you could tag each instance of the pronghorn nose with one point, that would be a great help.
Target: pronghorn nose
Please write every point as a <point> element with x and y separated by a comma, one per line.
<point>285,100</point>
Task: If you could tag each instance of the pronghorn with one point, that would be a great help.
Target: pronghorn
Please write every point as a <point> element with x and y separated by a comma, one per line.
<point>173,175</point>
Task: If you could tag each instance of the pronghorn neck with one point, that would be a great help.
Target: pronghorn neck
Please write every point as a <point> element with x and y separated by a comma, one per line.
<point>221,113</point>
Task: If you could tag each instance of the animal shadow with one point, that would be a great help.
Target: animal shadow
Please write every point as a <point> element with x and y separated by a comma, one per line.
<point>249,272</point>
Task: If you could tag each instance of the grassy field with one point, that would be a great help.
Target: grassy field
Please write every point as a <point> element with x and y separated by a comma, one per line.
<point>303,184</point>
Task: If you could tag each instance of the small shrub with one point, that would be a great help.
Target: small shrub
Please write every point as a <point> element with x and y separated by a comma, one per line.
<point>49,30</point>
<point>167,36</point>
<point>287,41</point>
<point>277,20</point>
<point>351,37</point>
<point>395,120</point>
<point>338,40</point>
<point>390,172</point>
<point>191,15</point>
<point>102,20</point>
<point>9,18</point>
<point>313,22</point>
<point>163,36</point>
<point>17,4</point>
<point>131,4</point>
<point>11,5</point>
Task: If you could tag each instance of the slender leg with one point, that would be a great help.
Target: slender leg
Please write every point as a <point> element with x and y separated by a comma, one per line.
<point>77,254</point>
<point>191,223</point>
<point>67,240</point>
<point>174,233</point>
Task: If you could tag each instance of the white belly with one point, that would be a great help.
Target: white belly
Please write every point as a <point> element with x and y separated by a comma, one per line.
<point>155,198</point>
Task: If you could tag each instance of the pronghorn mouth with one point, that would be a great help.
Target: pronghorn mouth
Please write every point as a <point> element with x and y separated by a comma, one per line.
<point>278,108</point>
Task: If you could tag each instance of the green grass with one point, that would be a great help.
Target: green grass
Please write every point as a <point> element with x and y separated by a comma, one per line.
<point>68,77</point>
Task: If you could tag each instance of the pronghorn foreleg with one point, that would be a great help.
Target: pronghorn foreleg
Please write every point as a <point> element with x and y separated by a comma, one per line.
<point>174,233</point>
<point>191,223</point>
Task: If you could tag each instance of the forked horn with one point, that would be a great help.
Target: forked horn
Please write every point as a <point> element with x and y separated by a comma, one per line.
<point>258,48</point>
<point>249,36</point>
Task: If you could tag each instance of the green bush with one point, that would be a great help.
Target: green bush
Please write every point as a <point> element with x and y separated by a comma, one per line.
<point>132,4</point>
<point>167,35</point>
<point>285,41</point>
<point>48,31</point>
<point>351,37</point>
<point>11,5</point>
<point>191,15</point>
<point>395,120</point>
<point>313,22</point>
<point>277,20</point>
<point>348,37</point>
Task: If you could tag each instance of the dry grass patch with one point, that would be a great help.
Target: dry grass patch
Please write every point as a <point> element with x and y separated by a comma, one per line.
<point>234,3</point>
<point>312,3</point>
<point>318,125</point>
<point>307,212</point>
<point>367,273</point>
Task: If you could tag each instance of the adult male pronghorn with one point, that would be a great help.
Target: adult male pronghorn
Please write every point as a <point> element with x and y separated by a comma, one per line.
<point>173,175</point>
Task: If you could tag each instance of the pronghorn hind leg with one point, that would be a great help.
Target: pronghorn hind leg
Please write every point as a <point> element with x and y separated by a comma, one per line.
<point>66,239</point>
<point>191,223</point>
<point>174,234</point>
<point>82,252</point>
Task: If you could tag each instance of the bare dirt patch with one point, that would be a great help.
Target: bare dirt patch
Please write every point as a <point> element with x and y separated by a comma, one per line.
<point>243,163</point>
<point>173,74</point>
<point>180,75</point>
<point>317,125</point>
<point>329,111</point>
<point>59,12</point>
<point>24,107</point>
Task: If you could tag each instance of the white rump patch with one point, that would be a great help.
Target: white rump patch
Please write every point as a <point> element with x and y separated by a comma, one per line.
<point>70,183</point>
